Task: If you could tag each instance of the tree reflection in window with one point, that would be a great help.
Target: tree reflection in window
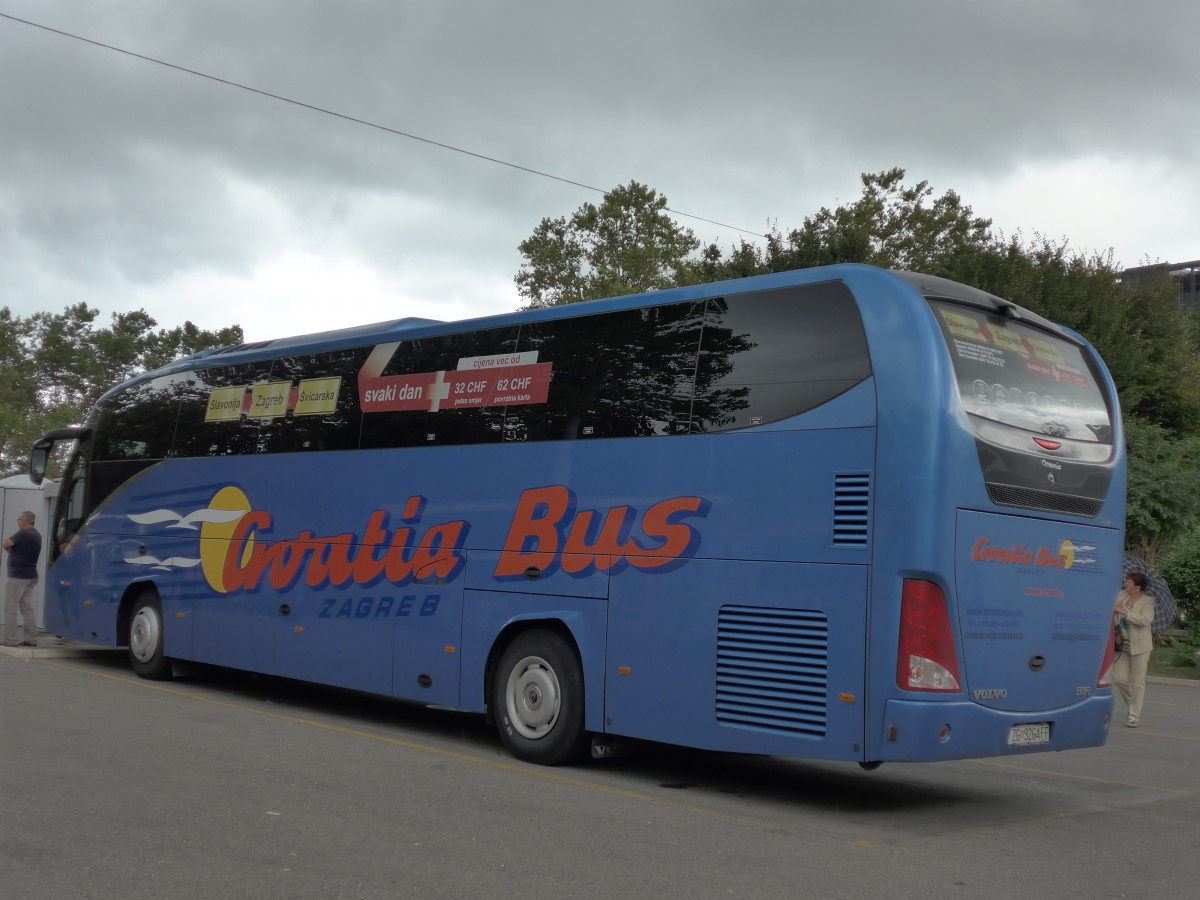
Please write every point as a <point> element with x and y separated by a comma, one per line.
<point>297,431</point>
<point>773,354</point>
<point>200,434</point>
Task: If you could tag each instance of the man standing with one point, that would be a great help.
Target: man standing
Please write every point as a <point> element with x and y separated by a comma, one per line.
<point>24,548</point>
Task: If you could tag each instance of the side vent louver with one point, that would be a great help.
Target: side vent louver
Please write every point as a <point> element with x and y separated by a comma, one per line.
<point>772,669</point>
<point>851,509</point>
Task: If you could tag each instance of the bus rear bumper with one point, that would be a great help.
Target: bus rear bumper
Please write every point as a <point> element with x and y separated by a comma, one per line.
<point>922,731</point>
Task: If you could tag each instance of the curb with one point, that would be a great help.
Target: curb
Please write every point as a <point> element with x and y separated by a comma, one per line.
<point>60,651</point>
<point>1184,682</point>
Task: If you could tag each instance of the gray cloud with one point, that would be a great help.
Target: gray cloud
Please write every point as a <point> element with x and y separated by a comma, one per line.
<point>127,183</point>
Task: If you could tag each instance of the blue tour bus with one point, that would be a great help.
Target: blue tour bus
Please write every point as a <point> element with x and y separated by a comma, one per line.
<point>838,513</point>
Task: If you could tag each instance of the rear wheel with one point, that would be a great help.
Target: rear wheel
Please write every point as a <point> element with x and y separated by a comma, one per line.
<point>146,638</point>
<point>537,695</point>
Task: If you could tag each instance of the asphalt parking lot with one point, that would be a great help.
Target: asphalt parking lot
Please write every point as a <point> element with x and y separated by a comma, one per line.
<point>220,784</point>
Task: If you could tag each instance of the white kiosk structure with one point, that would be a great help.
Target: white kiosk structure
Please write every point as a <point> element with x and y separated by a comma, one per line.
<point>17,494</point>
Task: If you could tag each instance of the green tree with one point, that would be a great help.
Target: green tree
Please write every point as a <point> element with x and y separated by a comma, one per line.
<point>54,366</point>
<point>1181,569</point>
<point>18,386</point>
<point>891,225</point>
<point>1163,498</point>
<point>626,245</point>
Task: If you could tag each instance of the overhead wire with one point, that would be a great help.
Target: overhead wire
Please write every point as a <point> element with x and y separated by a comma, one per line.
<point>348,118</point>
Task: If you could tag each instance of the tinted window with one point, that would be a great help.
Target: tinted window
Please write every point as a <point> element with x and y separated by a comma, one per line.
<point>72,506</point>
<point>424,392</point>
<point>682,368</point>
<point>621,374</point>
<point>137,423</point>
<point>321,411</point>
<point>86,487</point>
<point>773,354</point>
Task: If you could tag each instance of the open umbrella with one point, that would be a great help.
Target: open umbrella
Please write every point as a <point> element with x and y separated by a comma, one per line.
<point>1156,587</point>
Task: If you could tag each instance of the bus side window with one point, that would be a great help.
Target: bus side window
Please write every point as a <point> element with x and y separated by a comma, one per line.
<point>774,354</point>
<point>444,425</point>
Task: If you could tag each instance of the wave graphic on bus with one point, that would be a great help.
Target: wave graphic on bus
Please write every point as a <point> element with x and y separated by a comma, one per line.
<point>171,562</point>
<point>190,521</point>
<point>204,516</point>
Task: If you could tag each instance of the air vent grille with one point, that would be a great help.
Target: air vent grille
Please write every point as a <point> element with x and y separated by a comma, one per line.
<point>772,670</point>
<point>1031,498</point>
<point>851,510</point>
<point>237,348</point>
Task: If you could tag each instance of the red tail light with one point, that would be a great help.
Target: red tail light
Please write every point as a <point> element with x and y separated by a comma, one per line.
<point>1106,667</point>
<point>928,661</point>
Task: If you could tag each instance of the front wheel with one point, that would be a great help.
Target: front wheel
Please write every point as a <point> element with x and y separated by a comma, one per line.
<point>537,695</point>
<point>146,638</point>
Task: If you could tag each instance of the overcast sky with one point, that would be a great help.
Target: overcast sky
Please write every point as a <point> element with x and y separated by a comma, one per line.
<point>127,184</point>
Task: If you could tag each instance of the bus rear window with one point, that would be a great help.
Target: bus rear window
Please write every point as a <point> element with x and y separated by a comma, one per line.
<point>1023,377</point>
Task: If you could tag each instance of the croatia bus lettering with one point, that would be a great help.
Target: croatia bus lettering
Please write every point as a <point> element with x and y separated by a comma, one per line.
<point>239,551</point>
<point>549,530</point>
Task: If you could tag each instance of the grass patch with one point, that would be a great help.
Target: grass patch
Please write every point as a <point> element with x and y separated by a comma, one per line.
<point>1174,662</point>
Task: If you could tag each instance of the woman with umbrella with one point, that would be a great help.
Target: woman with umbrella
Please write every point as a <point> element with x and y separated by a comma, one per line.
<point>1133,616</point>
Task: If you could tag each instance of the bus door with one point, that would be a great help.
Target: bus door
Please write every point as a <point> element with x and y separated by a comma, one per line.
<point>85,576</point>
<point>71,557</point>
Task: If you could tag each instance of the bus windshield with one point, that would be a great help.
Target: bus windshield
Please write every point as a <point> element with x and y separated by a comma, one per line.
<point>1022,376</point>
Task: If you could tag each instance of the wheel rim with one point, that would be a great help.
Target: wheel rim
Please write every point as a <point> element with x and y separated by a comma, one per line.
<point>533,698</point>
<point>143,635</point>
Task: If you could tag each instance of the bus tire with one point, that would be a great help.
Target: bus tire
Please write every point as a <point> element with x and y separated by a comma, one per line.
<point>537,695</point>
<point>146,638</point>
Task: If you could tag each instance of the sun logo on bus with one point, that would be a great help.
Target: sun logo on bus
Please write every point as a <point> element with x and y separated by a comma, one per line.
<point>215,535</point>
<point>1067,552</point>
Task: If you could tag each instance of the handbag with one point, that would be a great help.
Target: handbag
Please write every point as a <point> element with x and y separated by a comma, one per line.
<point>1121,635</point>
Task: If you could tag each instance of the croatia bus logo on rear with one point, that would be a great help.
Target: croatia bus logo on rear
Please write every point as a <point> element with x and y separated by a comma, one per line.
<point>1068,555</point>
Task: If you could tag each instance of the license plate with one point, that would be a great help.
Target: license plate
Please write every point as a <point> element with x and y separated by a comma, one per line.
<point>1029,735</point>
